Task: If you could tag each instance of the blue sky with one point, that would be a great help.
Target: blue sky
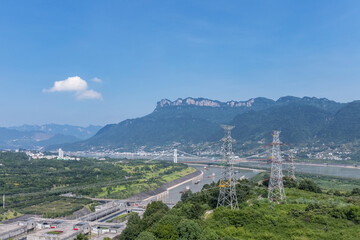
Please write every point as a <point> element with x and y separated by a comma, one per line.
<point>144,51</point>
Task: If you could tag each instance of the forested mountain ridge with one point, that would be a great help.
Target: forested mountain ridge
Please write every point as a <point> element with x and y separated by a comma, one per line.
<point>191,122</point>
<point>345,125</point>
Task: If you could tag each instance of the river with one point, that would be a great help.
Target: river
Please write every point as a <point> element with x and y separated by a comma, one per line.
<point>174,194</point>
<point>207,178</point>
<point>338,171</point>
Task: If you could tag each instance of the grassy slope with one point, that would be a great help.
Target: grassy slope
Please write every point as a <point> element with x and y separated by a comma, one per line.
<point>259,219</point>
<point>303,215</point>
<point>60,207</point>
<point>123,191</point>
<point>9,214</point>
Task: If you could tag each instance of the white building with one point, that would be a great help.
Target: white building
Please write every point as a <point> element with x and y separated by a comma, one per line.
<point>61,154</point>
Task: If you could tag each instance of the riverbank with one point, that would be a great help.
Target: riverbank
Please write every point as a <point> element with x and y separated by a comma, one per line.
<point>242,168</point>
<point>145,196</point>
<point>328,165</point>
<point>173,188</point>
<point>352,166</point>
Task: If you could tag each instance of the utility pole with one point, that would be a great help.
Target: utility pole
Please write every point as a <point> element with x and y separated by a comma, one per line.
<point>227,183</point>
<point>291,170</point>
<point>276,185</point>
<point>4,201</point>
<point>175,155</point>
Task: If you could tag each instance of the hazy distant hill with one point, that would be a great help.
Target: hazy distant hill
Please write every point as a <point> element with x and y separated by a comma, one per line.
<point>36,137</point>
<point>76,131</point>
<point>194,121</point>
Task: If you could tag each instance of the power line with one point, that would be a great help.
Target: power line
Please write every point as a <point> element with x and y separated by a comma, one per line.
<point>291,169</point>
<point>227,195</point>
<point>276,185</point>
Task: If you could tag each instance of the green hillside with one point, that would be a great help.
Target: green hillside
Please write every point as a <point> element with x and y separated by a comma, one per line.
<point>298,123</point>
<point>194,122</point>
<point>345,126</point>
<point>306,214</point>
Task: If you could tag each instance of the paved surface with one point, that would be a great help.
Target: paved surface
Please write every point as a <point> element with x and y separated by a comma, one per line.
<point>20,218</point>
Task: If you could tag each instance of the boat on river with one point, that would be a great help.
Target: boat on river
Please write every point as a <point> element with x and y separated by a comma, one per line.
<point>185,190</point>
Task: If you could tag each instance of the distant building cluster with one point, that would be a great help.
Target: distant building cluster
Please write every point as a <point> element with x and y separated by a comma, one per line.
<point>42,155</point>
<point>39,155</point>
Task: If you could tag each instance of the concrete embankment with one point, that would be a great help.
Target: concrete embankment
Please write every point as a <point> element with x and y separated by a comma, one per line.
<point>166,187</point>
<point>242,168</point>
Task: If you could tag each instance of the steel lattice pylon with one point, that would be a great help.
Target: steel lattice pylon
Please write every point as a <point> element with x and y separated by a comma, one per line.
<point>227,195</point>
<point>291,170</point>
<point>276,186</point>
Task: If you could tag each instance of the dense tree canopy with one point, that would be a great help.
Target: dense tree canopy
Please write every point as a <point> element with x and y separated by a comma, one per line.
<point>306,214</point>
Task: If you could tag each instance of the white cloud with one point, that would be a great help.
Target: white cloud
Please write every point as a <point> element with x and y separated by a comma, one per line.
<point>97,80</point>
<point>69,84</point>
<point>88,94</point>
<point>77,85</point>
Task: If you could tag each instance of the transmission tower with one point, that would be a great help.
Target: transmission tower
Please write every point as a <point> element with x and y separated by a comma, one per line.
<point>276,186</point>
<point>291,169</point>
<point>227,196</point>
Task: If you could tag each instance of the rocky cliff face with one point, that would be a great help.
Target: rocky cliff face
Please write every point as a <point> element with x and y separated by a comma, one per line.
<point>203,102</point>
<point>192,122</point>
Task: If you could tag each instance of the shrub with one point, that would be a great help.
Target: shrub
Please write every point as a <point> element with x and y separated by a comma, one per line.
<point>309,185</point>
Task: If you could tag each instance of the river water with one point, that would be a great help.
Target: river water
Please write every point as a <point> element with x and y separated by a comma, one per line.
<point>207,178</point>
<point>174,194</point>
<point>337,171</point>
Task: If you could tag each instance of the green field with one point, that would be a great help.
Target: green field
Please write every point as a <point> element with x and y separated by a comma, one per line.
<point>176,175</point>
<point>8,214</point>
<point>58,208</point>
<point>35,186</point>
<point>148,182</point>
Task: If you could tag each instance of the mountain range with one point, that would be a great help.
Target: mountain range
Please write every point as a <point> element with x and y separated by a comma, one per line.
<point>40,136</point>
<point>194,122</point>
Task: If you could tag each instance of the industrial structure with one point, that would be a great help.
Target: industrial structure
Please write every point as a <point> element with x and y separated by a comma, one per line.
<point>227,195</point>
<point>276,185</point>
<point>291,169</point>
<point>94,224</point>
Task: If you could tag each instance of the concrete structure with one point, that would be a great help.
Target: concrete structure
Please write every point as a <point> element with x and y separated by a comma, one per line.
<point>82,226</point>
<point>57,224</point>
<point>29,223</point>
<point>104,229</point>
<point>43,225</point>
<point>61,231</point>
<point>13,230</point>
<point>102,213</point>
<point>61,154</point>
